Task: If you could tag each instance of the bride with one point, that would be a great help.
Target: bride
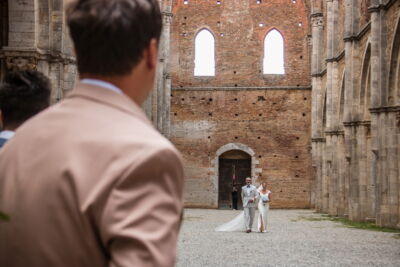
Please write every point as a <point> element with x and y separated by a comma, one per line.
<point>263,207</point>
<point>238,223</point>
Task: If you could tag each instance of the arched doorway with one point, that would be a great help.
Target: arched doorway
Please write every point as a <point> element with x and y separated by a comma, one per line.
<point>234,167</point>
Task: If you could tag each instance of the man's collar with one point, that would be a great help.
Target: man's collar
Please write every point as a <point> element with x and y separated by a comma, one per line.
<point>103,84</point>
<point>108,97</point>
<point>6,134</point>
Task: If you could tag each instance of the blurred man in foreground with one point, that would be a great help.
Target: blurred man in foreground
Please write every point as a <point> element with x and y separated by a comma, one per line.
<point>90,182</point>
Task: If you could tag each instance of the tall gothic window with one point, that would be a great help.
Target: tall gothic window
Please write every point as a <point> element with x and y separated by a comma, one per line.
<point>204,62</point>
<point>273,53</point>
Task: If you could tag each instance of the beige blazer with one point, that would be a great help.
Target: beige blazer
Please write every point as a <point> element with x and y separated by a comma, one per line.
<point>90,182</point>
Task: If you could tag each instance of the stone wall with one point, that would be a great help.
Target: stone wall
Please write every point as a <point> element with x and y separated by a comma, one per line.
<point>38,39</point>
<point>355,136</point>
<point>268,114</point>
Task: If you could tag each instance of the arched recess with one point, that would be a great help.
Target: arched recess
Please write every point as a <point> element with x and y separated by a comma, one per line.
<point>365,90</point>
<point>341,102</point>
<point>255,170</point>
<point>394,74</point>
<point>204,56</point>
<point>274,49</point>
<point>324,121</point>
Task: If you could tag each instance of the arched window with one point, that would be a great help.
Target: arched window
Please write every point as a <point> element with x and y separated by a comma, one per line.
<point>204,62</point>
<point>273,53</point>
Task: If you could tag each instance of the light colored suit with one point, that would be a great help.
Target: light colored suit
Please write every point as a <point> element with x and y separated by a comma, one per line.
<point>90,182</point>
<point>249,208</point>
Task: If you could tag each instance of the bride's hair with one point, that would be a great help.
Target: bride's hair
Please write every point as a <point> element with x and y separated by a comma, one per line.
<point>260,187</point>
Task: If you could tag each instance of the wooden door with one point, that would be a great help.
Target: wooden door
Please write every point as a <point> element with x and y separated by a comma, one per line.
<point>227,168</point>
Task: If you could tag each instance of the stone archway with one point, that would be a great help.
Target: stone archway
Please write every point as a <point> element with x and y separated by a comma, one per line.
<point>254,165</point>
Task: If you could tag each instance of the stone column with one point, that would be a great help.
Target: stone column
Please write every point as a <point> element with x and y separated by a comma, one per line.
<point>164,85</point>
<point>378,119</point>
<point>317,103</point>
<point>157,106</point>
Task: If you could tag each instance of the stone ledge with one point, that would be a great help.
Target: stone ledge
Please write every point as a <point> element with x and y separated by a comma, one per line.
<point>335,132</point>
<point>379,7</point>
<point>241,88</point>
<point>319,74</point>
<point>35,54</point>
<point>337,58</point>
<point>385,109</point>
<point>357,37</point>
<point>356,123</point>
<point>317,14</point>
<point>318,140</point>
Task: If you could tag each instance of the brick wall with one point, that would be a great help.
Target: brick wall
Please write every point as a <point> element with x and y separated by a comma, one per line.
<point>268,113</point>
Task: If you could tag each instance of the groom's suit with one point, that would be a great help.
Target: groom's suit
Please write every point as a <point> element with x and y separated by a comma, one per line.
<point>248,193</point>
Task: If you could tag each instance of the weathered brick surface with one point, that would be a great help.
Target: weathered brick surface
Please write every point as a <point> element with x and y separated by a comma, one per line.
<point>240,49</point>
<point>275,124</point>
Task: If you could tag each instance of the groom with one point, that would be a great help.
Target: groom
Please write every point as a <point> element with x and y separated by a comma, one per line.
<point>249,196</point>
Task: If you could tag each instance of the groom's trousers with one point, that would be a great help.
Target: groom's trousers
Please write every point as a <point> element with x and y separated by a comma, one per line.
<point>249,217</point>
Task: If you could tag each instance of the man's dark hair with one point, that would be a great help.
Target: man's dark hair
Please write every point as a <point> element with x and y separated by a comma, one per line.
<point>22,95</point>
<point>110,36</point>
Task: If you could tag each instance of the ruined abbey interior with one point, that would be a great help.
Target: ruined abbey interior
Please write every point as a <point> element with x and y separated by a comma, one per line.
<point>318,118</point>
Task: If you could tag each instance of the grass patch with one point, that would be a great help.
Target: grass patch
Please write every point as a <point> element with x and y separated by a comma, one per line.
<point>348,223</point>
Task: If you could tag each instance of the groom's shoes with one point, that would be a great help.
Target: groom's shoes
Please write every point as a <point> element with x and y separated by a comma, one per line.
<point>248,231</point>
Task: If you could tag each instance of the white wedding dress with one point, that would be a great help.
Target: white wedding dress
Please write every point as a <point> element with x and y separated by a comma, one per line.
<point>235,225</point>
<point>263,209</point>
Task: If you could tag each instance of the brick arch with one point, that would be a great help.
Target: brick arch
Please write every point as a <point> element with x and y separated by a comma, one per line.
<point>255,170</point>
<point>268,31</point>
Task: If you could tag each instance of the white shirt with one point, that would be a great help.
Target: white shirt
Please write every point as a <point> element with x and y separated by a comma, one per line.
<point>6,134</point>
<point>248,189</point>
<point>103,84</point>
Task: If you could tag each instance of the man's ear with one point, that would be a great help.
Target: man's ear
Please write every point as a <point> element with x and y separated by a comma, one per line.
<point>152,54</point>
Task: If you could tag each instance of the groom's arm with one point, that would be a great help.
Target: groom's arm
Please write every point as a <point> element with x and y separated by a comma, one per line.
<point>256,196</point>
<point>241,195</point>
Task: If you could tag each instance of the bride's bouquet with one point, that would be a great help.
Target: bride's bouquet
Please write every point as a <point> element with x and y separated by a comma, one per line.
<point>264,199</point>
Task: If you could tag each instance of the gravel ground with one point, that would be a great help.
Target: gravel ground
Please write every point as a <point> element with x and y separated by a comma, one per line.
<point>291,241</point>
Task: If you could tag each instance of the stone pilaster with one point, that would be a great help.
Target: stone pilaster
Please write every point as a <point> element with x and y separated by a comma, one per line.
<point>157,106</point>
<point>318,141</point>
